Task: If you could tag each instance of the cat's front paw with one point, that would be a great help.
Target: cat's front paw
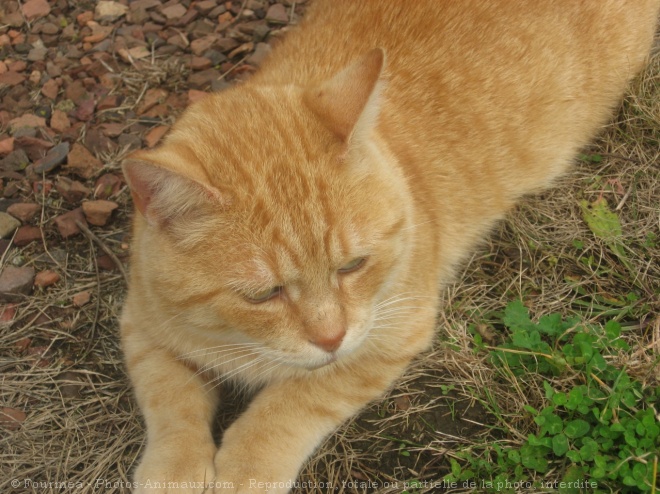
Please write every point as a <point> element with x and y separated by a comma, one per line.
<point>236,476</point>
<point>174,471</point>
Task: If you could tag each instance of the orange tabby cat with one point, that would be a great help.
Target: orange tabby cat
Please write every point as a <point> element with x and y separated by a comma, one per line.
<point>292,233</point>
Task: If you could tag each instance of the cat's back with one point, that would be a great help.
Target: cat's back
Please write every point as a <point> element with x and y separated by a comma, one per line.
<point>424,36</point>
<point>470,80</point>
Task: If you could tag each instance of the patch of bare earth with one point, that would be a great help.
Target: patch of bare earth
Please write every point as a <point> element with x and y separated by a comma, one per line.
<point>80,88</point>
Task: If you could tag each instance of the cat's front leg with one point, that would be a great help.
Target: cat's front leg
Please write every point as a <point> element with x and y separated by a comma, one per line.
<point>178,411</point>
<point>263,451</point>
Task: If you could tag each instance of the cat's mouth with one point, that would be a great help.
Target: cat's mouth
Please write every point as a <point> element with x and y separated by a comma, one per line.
<point>316,363</point>
<point>329,360</point>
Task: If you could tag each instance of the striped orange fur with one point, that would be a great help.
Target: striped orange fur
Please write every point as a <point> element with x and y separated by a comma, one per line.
<point>292,233</point>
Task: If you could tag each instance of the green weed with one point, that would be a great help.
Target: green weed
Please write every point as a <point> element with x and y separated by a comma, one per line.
<point>602,432</point>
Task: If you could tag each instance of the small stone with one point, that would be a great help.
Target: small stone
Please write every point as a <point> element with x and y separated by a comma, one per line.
<point>37,54</point>
<point>34,9</point>
<point>159,112</point>
<point>84,17</point>
<point>26,235</point>
<point>260,53</point>
<point>59,122</point>
<point>52,69</point>
<point>194,95</point>
<point>11,189</point>
<point>81,298</point>
<point>50,89</point>
<point>137,15</point>
<point>277,14</point>
<point>15,19</point>
<point>129,142</point>
<point>46,278</point>
<point>33,145</point>
<point>112,129</point>
<point>224,19</point>
<point>16,161</point>
<point>174,12</point>
<point>107,186</point>
<point>157,18</point>
<point>8,225</point>
<point>17,65</point>
<point>111,101</point>
<point>106,263</point>
<point>15,281</point>
<point>97,142</point>
<point>402,402</point>
<point>177,101</point>
<point>215,56</point>
<point>151,98</point>
<point>82,162</point>
<point>66,223</point>
<point>203,79</point>
<point>244,48</point>
<point>12,78</point>
<point>109,11</point>
<point>199,46</point>
<point>135,53</point>
<point>226,44</point>
<point>11,418</point>
<point>55,157</point>
<point>7,313</point>
<point>23,344</point>
<point>260,32</point>
<point>99,33</point>
<point>71,190</point>
<point>70,384</point>
<point>6,146</point>
<point>35,77</point>
<point>42,188</point>
<point>166,50</point>
<point>98,212</point>
<point>85,110</point>
<point>145,4</point>
<point>24,211</point>
<point>4,245</point>
<point>22,132</point>
<point>220,9</point>
<point>205,6</point>
<point>38,354</point>
<point>50,28</point>
<point>200,63</point>
<point>26,120</point>
<point>155,135</point>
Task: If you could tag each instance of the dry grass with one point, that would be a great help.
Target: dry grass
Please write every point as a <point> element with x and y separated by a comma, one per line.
<point>82,425</point>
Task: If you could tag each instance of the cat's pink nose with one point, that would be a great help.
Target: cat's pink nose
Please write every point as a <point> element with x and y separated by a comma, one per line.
<point>330,342</point>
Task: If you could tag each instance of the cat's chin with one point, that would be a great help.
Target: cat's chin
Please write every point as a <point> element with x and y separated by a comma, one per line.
<point>317,364</point>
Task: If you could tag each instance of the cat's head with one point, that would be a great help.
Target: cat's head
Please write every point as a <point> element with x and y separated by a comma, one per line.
<point>273,216</point>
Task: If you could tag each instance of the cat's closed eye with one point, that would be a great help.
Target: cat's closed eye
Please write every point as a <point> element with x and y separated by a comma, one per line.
<point>264,295</point>
<point>353,265</point>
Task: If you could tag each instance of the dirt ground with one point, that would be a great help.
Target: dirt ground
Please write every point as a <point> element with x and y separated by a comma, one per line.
<point>82,86</point>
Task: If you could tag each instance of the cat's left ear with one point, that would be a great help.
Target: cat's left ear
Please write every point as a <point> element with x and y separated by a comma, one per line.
<point>348,103</point>
<point>161,194</point>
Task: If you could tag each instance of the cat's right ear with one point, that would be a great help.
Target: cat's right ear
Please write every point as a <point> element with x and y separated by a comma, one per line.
<point>161,195</point>
<point>348,103</point>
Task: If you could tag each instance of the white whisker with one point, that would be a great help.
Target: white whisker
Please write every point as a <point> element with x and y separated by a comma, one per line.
<point>241,368</point>
<point>208,349</point>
